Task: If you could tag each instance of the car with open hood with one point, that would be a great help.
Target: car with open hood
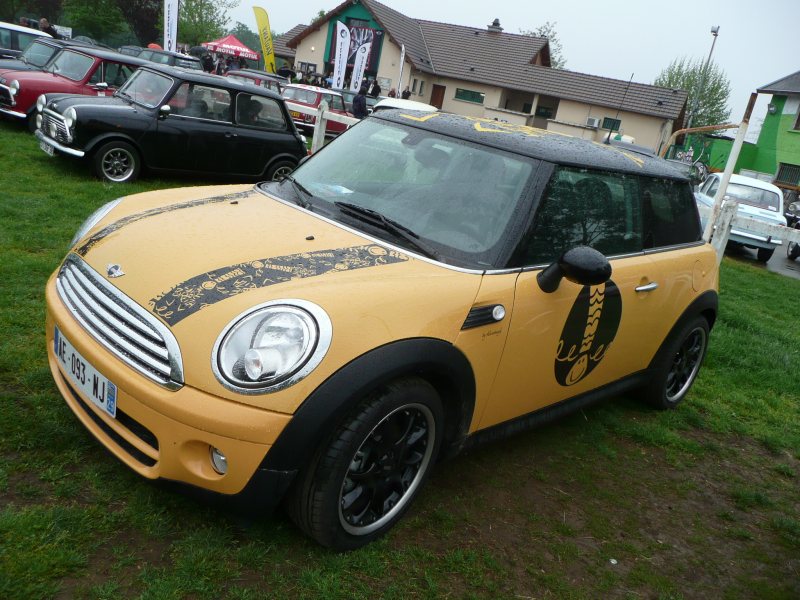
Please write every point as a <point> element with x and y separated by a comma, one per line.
<point>173,119</point>
<point>88,71</point>
<point>423,283</point>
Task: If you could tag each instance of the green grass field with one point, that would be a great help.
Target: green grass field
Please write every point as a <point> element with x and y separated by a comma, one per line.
<point>619,501</point>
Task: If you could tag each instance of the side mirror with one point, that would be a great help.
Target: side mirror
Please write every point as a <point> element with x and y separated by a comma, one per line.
<point>582,265</point>
<point>164,111</point>
<point>102,86</point>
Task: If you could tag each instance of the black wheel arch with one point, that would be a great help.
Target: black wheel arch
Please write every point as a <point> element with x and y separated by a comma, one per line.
<point>284,156</point>
<point>438,362</point>
<point>706,305</point>
<point>98,141</point>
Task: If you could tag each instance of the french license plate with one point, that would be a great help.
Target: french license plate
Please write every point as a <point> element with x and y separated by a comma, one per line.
<point>295,114</point>
<point>96,387</point>
<point>47,149</point>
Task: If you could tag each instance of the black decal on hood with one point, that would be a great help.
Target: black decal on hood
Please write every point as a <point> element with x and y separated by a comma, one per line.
<point>109,229</point>
<point>209,288</point>
<point>588,333</point>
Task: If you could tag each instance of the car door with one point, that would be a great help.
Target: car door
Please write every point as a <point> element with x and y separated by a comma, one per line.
<point>579,337</point>
<point>335,104</point>
<point>263,131</point>
<point>198,134</point>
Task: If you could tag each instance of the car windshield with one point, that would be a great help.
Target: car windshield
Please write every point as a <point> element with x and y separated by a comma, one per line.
<point>71,65</point>
<point>37,54</point>
<point>188,63</point>
<point>456,197</point>
<point>301,95</point>
<point>754,196</point>
<point>146,87</point>
<point>241,79</point>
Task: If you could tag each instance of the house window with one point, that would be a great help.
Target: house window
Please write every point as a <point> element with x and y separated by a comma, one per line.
<point>545,112</point>
<point>526,108</point>
<point>612,124</point>
<point>357,23</point>
<point>421,87</point>
<point>414,86</point>
<point>788,174</point>
<point>469,96</point>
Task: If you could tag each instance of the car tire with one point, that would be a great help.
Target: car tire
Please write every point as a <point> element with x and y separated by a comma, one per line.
<point>366,475</point>
<point>764,254</point>
<point>117,162</point>
<point>792,250</point>
<point>677,365</point>
<point>30,122</point>
<point>280,169</point>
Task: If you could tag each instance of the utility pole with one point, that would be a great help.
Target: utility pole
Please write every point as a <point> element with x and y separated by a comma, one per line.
<point>715,33</point>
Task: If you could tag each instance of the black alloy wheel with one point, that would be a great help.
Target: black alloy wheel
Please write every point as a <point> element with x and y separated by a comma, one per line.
<point>686,363</point>
<point>117,162</point>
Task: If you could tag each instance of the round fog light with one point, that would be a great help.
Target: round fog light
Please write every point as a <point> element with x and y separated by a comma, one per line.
<point>218,461</point>
<point>38,121</point>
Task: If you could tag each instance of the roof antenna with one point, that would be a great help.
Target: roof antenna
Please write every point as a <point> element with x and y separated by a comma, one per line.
<point>610,131</point>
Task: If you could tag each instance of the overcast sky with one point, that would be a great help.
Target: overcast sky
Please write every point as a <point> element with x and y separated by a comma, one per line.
<point>758,40</point>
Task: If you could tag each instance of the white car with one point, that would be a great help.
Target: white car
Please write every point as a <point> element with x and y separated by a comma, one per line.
<point>757,200</point>
<point>404,104</point>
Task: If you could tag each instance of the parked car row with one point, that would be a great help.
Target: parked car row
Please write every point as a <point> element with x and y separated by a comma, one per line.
<point>163,57</point>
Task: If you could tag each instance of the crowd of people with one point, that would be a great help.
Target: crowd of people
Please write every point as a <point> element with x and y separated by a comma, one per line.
<point>221,64</point>
<point>42,24</point>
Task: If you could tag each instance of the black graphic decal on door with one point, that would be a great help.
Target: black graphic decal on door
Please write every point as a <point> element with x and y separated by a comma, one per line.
<point>590,329</point>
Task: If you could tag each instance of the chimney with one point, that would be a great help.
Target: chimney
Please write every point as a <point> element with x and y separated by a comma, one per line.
<point>495,26</point>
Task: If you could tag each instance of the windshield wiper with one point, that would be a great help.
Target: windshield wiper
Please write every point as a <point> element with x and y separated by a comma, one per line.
<point>299,191</point>
<point>122,94</point>
<point>373,217</point>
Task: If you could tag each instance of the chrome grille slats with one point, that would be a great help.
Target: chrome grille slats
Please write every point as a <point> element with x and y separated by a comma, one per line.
<point>49,117</point>
<point>119,324</point>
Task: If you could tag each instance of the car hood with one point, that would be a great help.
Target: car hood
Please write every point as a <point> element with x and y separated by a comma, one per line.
<point>10,64</point>
<point>197,258</point>
<point>41,80</point>
<point>62,103</point>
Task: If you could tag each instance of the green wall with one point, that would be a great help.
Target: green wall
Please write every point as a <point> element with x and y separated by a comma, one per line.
<point>778,141</point>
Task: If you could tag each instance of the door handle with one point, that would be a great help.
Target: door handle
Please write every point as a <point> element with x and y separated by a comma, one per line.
<point>228,134</point>
<point>647,288</point>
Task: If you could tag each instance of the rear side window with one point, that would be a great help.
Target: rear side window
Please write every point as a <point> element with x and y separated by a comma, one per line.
<point>201,102</point>
<point>259,112</point>
<point>614,213</point>
<point>301,95</point>
<point>25,39</point>
<point>5,38</point>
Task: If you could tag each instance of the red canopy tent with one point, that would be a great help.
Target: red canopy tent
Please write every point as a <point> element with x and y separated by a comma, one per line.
<point>230,45</point>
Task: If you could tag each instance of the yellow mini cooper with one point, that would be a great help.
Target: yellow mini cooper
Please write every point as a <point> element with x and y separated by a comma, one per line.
<point>424,282</point>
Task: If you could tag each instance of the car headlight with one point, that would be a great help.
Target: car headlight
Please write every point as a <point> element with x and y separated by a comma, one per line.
<point>271,346</point>
<point>14,87</point>
<point>93,219</point>
<point>41,102</point>
<point>70,117</point>
<point>794,208</point>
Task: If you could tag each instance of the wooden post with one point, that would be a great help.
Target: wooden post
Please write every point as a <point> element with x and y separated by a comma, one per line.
<point>319,127</point>
<point>723,228</point>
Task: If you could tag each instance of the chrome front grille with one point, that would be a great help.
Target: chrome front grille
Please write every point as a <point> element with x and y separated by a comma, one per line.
<point>119,324</point>
<point>48,121</point>
<point>5,95</point>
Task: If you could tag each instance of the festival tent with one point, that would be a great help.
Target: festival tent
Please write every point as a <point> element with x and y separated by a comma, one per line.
<point>230,45</point>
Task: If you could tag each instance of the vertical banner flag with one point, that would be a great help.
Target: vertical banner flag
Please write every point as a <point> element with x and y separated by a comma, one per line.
<point>342,50</point>
<point>170,24</point>
<point>402,64</point>
<point>360,65</point>
<point>268,50</point>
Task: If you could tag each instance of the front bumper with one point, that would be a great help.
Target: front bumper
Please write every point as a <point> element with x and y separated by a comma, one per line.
<point>753,239</point>
<point>167,434</point>
<point>12,113</point>
<point>45,139</point>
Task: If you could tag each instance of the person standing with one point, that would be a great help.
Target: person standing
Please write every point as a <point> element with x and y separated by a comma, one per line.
<point>44,25</point>
<point>360,103</point>
<point>406,94</point>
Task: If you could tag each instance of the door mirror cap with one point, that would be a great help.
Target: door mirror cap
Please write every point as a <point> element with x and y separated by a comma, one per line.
<point>164,111</point>
<point>582,265</point>
<point>101,86</point>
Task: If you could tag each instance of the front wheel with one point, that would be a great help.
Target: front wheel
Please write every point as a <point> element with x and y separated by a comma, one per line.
<point>677,366</point>
<point>792,250</point>
<point>365,477</point>
<point>117,162</point>
<point>764,254</point>
<point>280,170</point>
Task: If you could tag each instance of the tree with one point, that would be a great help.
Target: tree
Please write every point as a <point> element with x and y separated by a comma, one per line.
<point>548,30</point>
<point>709,89</point>
<point>95,18</point>
<point>144,17</point>
<point>247,36</point>
<point>320,15</point>
<point>203,20</point>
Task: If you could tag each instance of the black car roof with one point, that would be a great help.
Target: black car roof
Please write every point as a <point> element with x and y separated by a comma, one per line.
<point>196,76</point>
<point>536,143</point>
<point>171,53</point>
<point>61,43</point>
<point>262,74</point>
<point>108,55</point>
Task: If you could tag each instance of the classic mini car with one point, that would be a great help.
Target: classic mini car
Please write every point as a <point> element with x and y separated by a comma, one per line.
<point>311,97</point>
<point>15,38</point>
<point>423,283</point>
<point>174,59</point>
<point>266,80</point>
<point>167,118</point>
<point>37,55</point>
<point>86,70</point>
<point>757,200</point>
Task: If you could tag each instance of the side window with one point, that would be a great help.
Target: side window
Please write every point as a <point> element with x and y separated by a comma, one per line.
<point>336,102</point>
<point>670,213</point>
<point>260,112</point>
<point>97,76</point>
<point>201,102</point>
<point>5,38</point>
<point>24,39</point>
<point>116,74</point>
<point>712,187</point>
<point>584,208</point>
